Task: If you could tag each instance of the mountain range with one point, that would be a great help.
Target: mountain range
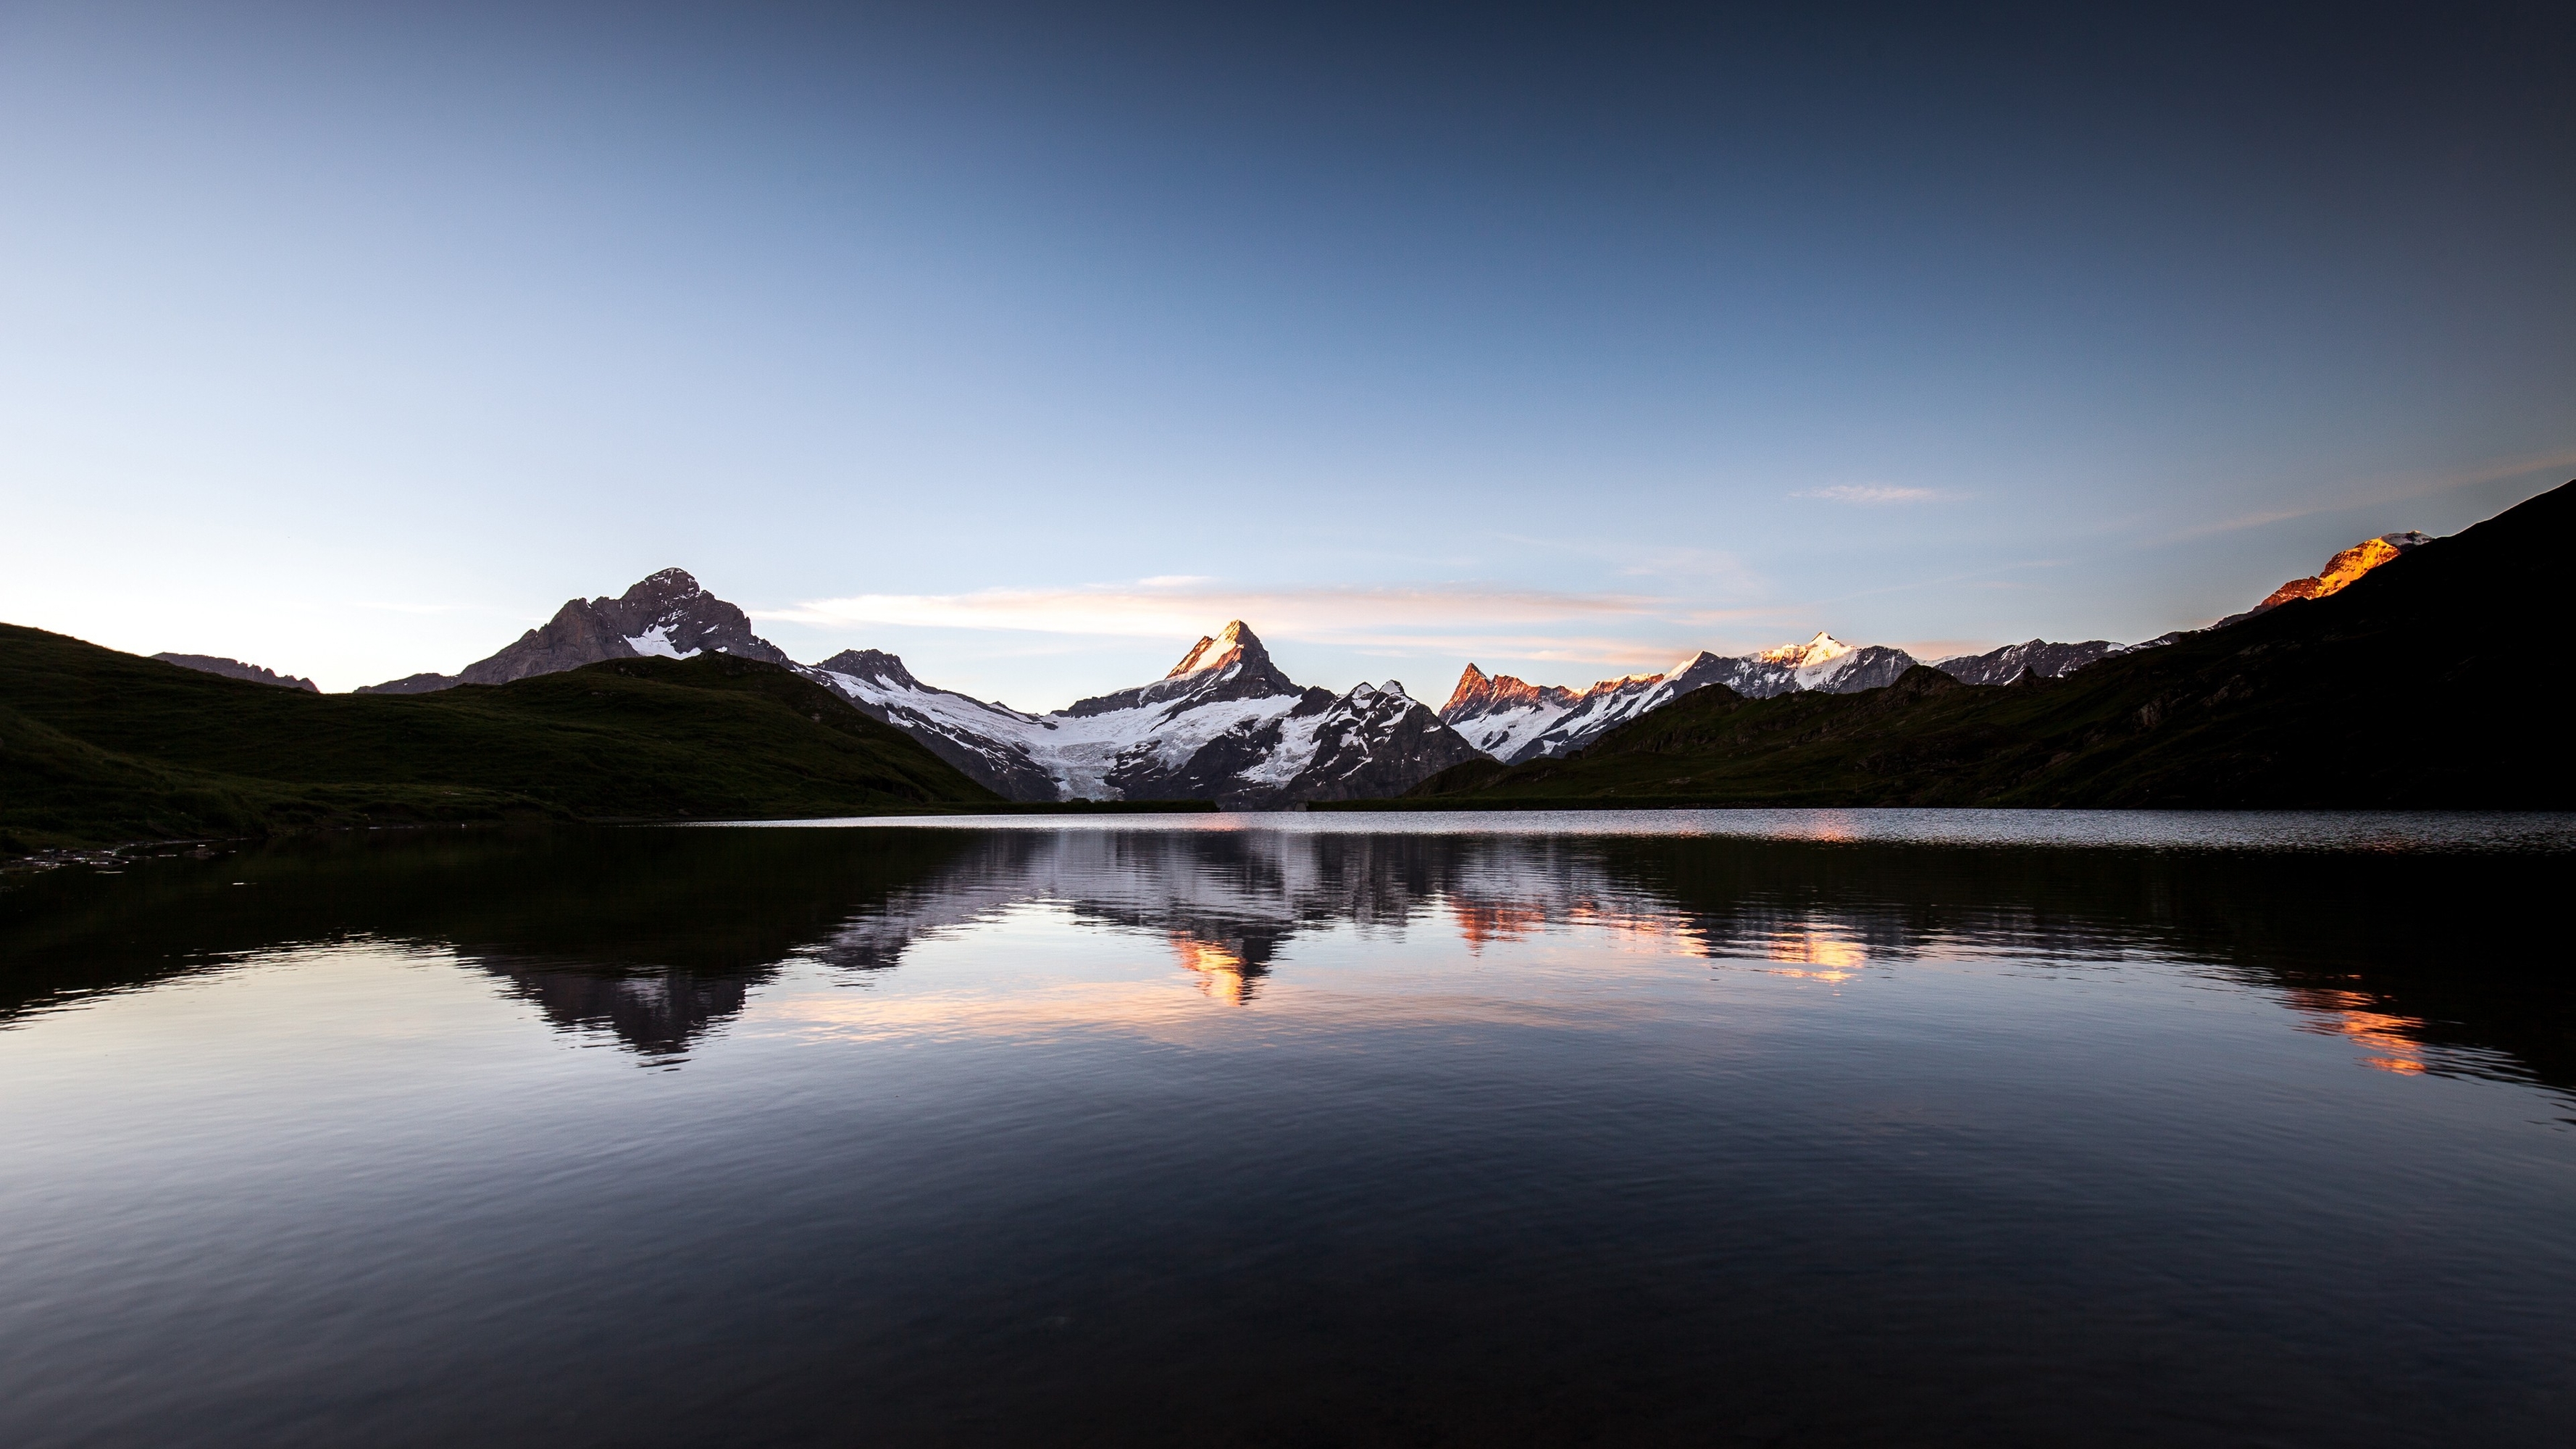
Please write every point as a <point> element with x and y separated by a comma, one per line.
<point>1512,721</point>
<point>1225,723</point>
<point>2388,685</point>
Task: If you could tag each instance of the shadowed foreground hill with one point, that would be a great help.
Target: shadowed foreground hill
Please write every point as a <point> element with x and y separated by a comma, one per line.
<point>2416,687</point>
<point>98,746</point>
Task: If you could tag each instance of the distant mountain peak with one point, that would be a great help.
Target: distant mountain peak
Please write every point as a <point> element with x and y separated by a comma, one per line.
<point>1473,684</point>
<point>666,614</point>
<point>1230,664</point>
<point>1228,645</point>
<point>2037,659</point>
<point>235,669</point>
<point>1818,650</point>
<point>2346,566</point>
<point>874,665</point>
<point>1482,693</point>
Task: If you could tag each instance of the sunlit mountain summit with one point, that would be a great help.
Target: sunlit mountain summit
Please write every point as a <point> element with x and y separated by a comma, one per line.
<point>1224,724</point>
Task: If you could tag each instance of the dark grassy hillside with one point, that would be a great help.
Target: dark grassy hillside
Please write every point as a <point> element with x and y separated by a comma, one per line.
<point>2423,685</point>
<point>56,790</point>
<point>99,746</point>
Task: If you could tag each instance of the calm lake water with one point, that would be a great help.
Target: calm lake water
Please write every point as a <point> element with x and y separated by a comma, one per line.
<point>1744,1127</point>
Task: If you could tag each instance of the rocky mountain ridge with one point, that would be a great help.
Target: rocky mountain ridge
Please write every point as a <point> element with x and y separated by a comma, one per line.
<point>1513,721</point>
<point>235,669</point>
<point>667,615</point>
<point>1224,724</point>
<point>2038,657</point>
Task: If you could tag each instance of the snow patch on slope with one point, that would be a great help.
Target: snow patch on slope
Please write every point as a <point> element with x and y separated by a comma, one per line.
<point>656,641</point>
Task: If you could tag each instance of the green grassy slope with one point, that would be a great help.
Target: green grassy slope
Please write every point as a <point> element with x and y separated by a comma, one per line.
<point>99,746</point>
<point>2431,682</point>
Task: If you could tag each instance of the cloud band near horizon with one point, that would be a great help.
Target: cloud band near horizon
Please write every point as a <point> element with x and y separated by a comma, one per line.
<point>1461,619</point>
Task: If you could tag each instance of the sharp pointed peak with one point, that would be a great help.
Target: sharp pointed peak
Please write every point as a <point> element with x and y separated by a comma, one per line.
<point>1235,642</point>
<point>670,583</point>
<point>1815,651</point>
<point>1474,684</point>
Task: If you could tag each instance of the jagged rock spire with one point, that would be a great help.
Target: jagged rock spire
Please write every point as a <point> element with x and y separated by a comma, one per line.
<point>1472,686</point>
<point>1478,692</point>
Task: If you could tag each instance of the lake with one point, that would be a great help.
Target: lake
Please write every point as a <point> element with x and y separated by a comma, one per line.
<point>1793,1127</point>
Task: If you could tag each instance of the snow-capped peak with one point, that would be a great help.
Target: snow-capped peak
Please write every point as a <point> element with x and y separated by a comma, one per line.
<point>1815,651</point>
<point>1224,725</point>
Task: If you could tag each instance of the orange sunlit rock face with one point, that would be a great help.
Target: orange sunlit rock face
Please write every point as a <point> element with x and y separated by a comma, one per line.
<point>1480,691</point>
<point>1220,971</point>
<point>1213,653</point>
<point>2341,570</point>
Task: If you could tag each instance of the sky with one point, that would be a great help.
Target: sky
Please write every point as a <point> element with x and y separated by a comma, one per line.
<point>1032,342</point>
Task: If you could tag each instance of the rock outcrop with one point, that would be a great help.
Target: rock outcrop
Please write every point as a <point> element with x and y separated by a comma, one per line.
<point>235,669</point>
<point>2039,658</point>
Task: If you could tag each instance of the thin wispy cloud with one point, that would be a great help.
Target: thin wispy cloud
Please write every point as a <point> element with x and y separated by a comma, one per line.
<point>1170,606</point>
<point>1454,620</point>
<point>1874,494</point>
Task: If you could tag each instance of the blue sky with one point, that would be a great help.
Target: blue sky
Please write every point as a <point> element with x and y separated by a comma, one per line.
<point>1032,342</point>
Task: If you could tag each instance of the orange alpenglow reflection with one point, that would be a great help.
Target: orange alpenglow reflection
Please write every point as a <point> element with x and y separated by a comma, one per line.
<point>1220,971</point>
<point>1482,923</point>
<point>1810,947</point>
<point>2348,1013</point>
<point>1479,923</point>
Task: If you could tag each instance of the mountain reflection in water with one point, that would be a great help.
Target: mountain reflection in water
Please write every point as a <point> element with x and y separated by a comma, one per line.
<point>1815,1128</point>
<point>660,936</point>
